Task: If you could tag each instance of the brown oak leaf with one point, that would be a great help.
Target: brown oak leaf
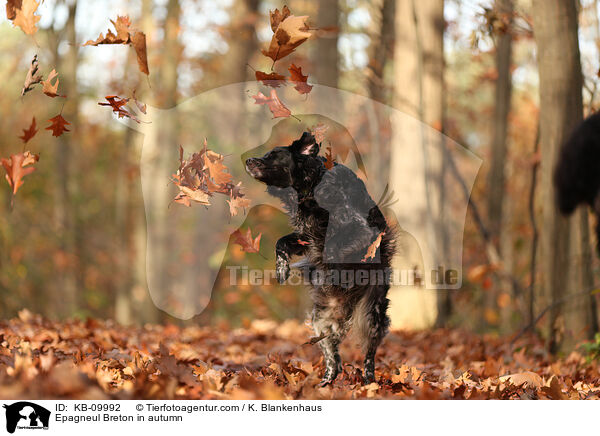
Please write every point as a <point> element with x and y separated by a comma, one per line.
<point>58,125</point>
<point>277,108</point>
<point>127,36</point>
<point>25,17</point>
<point>273,80</point>
<point>237,203</point>
<point>289,34</point>
<point>277,17</point>
<point>30,132</point>
<point>140,106</point>
<point>15,168</point>
<point>12,6</point>
<point>117,104</point>
<point>32,77</point>
<point>248,244</point>
<point>48,88</point>
<point>296,76</point>
<point>318,132</point>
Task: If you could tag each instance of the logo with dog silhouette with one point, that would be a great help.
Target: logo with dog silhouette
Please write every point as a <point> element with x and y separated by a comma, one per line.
<point>26,415</point>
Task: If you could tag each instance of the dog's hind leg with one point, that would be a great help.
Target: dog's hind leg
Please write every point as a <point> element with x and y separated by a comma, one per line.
<point>372,323</point>
<point>330,322</point>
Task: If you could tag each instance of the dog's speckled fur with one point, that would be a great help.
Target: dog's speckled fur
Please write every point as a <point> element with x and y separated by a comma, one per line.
<point>336,220</point>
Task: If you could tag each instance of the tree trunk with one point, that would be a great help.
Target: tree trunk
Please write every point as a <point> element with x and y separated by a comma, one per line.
<point>496,173</point>
<point>563,266</point>
<point>381,51</point>
<point>161,145</point>
<point>326,60</point>
<point>242,42</point>
<point>69,281</point>
<point>499,213</point>
<point>418,93</point>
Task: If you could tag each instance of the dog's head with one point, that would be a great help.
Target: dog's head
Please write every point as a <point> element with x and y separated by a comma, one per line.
<point>297,165</point>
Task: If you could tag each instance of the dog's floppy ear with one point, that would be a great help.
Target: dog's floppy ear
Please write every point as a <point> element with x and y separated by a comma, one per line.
<point>306,145</point>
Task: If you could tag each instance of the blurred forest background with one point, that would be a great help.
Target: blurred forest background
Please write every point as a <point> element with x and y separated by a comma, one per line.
<point>73,242</point>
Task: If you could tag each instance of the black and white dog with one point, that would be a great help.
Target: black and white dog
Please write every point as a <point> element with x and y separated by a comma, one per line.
<point>335,223</point>
<point>577,174</point>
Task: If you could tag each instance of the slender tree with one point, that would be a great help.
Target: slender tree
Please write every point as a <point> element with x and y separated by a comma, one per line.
<point>66,225</point>
<point>418,93</point>
<point>564,246</point>
<point>326,54</point>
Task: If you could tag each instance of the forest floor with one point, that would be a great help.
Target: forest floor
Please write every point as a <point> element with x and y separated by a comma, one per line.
<point>96,359</point>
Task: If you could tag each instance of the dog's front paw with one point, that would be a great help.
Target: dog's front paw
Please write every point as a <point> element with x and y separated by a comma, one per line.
<point>282,269</point>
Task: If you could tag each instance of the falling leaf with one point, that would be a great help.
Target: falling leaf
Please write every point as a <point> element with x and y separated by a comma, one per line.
<point>273,80</point>
<point>202,175</point>
<point>47,87</point>
<point>296,76</point>
<point>127,36</point>
<point>275,105</point>
<point>289,34</point>
<point>58,125</point>
<point>32,77</point>
<point>117,104</point>
<point>216,169</point>
<point>15,168</point>
<point>329,160</point>
<point>12,6</point>
<point>187,194</point>
<point>140,106</point>
<point>29,133</point>
<point>24,16</point>
<point>138,40</point>
<point>122,36</point>
<point>277,17</point>
<point>248,244</point>
<point>318,131</point>
<point>373,248</point>
<point>237,203</point>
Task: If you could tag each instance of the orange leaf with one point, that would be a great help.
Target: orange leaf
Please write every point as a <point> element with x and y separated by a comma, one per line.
<point>32,77</point>
<point>58,125</point>
<point>29,133</point>
<point>12,6</point>
<point>138,40</point>
<point>373,248</point>
<point>24,16</point>
<point>248,244</point>
<point>238,202</point>
<point>277,17</point>
<point>216,169</point>
<point>290,32</point>
<point>117,103</point>
<point>276,107</point>
<point>47,87</point>
<point>15,168</point>
<point>273,79</point>
<point>318,131</point>
<point>296,76</point>
<point>127,36</point>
